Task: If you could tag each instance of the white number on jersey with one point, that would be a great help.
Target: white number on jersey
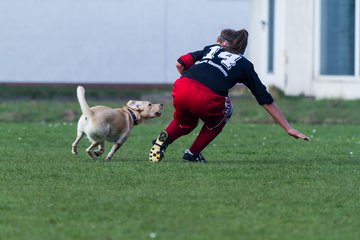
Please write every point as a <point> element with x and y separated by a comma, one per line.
<point>229,59</point>
<point>212,52</point>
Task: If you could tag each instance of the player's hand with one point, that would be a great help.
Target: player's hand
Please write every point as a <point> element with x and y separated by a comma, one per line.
<point>298,135</point>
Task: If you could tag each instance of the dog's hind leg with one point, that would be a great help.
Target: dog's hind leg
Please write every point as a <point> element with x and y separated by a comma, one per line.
<point>79,136</point>
<point>89,150</point>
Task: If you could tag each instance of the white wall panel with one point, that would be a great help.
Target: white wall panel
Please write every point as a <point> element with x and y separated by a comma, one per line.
<point>107,41</point>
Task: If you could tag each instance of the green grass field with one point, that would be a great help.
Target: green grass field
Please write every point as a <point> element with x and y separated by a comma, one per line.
<point>259,183</point>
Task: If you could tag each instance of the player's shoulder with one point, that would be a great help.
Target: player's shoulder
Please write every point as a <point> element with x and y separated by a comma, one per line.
<point>246,62</point>
<point>212,45</point>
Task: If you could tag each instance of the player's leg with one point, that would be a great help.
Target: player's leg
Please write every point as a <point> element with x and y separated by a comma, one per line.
<point>213,125</point>
<point>183,122</point>
<point>205,137</point>
<point>181,125</point>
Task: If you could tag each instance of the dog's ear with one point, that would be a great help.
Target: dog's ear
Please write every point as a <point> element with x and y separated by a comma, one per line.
<point>135,105</point>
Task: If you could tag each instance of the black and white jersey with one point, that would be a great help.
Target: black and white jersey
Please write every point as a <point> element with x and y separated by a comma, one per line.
<point>220,70</point>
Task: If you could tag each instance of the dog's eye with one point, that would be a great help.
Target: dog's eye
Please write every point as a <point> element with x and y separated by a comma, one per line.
<point>149,104</point>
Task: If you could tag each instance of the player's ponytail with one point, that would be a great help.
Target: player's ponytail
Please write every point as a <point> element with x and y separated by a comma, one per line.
<point>241,41</point>
<point>237,40</point>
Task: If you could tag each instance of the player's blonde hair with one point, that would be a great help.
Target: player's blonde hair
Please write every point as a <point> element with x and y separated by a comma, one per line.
<point>237,40</point>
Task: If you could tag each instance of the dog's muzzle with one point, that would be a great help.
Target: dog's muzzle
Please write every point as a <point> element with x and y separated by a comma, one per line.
<point>158,114</point>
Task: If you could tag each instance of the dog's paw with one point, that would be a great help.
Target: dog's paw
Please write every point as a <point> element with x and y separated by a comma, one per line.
<point>74,151</point>
<point>91,155</point>
<point>98,153</point>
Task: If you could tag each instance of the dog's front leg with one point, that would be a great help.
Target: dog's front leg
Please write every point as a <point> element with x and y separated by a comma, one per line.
<point>100,151</point>
<point>89,150</point>
<point>113,150</point>
<point>116,147</point>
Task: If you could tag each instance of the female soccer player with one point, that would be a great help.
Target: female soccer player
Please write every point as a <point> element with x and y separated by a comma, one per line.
<point>202,93</point>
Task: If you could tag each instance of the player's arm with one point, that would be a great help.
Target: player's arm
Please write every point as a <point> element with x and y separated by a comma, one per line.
<point>274,110</point>
<point>186,61</point>
<point>180,67</point>
<point>264,98</point>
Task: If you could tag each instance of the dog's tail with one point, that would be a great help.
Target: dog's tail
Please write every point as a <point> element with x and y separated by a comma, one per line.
<point>80,92</point>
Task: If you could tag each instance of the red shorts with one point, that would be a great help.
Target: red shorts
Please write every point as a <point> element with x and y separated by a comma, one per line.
<point>193,101</point>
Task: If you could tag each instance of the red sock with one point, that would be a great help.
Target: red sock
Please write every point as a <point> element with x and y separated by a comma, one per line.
<point>205,137</point>
<point>175,131</point>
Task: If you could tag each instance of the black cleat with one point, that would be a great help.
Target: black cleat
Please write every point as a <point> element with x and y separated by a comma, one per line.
<point>188,156</point>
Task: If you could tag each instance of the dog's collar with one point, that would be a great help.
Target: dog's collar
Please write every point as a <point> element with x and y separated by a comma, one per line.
<point>133,116</point>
